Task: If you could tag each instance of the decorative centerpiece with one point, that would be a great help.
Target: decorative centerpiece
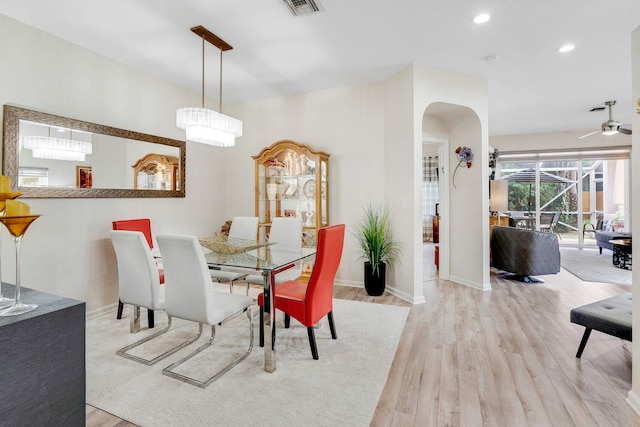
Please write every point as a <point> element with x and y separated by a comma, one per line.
<point>17,219</point>
<point>229,245</point>
<point>5,194</point>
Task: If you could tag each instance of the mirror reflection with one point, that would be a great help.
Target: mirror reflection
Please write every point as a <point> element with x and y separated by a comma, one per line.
<point>53,156</point>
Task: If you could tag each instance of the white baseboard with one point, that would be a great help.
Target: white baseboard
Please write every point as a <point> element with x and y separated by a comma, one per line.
<point>102,310</point>
<point>469,283</point>
<point>634,401</point>
<point>391,290</point>
<point>350,283</point>
<point>406,297</point>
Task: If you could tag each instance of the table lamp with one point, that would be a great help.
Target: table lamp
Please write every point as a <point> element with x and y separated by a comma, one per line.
<point>498,196</point>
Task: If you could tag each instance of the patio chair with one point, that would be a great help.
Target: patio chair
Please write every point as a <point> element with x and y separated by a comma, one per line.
<point>554,223</point>
<point>548,222</point>
<point>588,227</point>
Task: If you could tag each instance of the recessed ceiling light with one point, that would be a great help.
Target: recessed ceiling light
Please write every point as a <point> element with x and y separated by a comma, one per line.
<point>566,48</point>
<point>492,58</point>
<point>482,18</point>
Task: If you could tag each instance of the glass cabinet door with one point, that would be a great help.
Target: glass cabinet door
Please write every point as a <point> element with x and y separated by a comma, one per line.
<point>324,218</point>
<point>292,180</point>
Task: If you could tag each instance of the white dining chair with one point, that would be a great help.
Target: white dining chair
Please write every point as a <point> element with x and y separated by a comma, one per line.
<point>242,227</point>
<point>143,225</point>
<point>191,297</point>
<point>286,233</point>
<point>139,285</point>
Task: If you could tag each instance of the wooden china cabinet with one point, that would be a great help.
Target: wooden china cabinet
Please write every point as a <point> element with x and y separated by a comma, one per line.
<point>292,181</point>
<point>156,172</point>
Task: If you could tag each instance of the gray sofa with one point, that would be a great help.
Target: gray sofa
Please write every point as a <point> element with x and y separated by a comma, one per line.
<point>524,253</point>
<point>603,237</point>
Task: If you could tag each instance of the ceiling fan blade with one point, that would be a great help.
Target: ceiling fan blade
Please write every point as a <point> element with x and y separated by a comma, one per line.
<point>597,109</point>
<point>625,131</point>
<point>589,134</point>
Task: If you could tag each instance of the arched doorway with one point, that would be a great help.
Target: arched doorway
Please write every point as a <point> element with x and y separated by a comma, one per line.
<point>461,232</point>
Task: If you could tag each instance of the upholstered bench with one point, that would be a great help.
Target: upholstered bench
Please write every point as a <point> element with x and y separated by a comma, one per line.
<point>611,316</point>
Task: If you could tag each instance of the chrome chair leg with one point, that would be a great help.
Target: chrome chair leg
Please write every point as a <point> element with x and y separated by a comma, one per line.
<point>170,370</point>
<point>134,328</point>
<point>231,281</point>
<point>123,351</point>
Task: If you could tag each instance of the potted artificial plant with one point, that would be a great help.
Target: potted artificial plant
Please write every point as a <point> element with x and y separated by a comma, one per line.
<point>377,248</point>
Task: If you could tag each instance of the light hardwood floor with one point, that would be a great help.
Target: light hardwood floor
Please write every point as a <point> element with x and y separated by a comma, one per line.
<point>505,357</point>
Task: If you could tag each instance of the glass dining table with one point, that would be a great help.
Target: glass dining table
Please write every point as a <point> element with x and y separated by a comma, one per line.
<point>269,261</point>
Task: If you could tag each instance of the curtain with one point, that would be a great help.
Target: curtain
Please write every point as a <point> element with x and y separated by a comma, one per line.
<point>429,195</point>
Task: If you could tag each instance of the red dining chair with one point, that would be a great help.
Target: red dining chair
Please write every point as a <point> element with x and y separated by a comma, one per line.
<point>310,302</point>
<point>143,225</point>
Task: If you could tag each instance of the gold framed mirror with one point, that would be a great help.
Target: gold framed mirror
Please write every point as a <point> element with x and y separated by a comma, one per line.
<point>109,156</point>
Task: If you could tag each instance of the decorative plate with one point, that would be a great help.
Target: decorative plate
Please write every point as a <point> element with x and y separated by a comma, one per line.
<point>309,188</point>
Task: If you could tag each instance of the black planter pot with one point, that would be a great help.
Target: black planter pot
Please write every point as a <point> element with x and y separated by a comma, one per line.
<point>374,283</point>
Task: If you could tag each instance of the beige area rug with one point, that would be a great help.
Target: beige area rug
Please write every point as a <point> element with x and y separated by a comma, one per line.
<point>341,388</point>
<point>591,266</point>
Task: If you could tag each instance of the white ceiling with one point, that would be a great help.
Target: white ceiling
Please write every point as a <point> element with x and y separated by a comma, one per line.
<point>532,87</point>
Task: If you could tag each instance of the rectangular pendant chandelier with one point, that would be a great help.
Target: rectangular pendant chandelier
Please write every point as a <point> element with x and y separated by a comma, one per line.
<point>204,125</point>
<point>46,147</point>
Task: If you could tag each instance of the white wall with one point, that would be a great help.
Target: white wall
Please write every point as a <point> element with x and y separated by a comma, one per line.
<point>402,156</point>
<point>373,131</point>
<point>429,150</point>
<point>465,117</point>
<point>67,251</point>
<point>634,394</point>
<point>345,122</point>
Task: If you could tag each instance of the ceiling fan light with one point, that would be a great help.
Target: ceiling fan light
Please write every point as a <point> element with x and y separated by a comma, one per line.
<point>610,129</point>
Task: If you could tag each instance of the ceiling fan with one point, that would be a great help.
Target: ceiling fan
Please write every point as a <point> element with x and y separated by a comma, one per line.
<point>610,127</point>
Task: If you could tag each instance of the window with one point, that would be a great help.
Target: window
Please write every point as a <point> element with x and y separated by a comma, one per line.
<point>583,189</point>
<point>33,177</point>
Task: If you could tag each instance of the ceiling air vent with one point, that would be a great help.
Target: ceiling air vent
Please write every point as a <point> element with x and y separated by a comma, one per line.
<point>301,7</point>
